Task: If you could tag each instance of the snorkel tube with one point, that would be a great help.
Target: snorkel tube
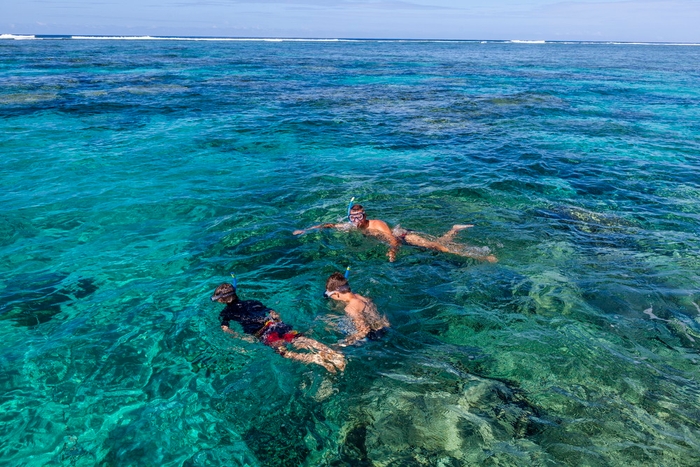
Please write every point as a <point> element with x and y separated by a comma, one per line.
<point>235,281</point>
<point>347,272</point>
<point>350,206</point>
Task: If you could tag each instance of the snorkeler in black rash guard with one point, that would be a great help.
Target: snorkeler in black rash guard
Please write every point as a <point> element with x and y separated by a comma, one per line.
<point>260,323</point>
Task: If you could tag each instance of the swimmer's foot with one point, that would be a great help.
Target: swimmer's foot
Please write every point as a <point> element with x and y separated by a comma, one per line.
<point>453,231</point>
<point>491,259</point>
<point>339,361</point>
<point>319,360</point>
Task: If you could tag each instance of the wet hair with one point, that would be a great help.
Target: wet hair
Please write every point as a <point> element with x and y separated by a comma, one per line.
<point>337,283</point>
<point>225,291</point>
<point>356,209</point>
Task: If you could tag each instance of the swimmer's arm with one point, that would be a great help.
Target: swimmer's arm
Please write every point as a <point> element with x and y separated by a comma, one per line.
<point>361,327</point>
<point>237,335</point>
<point>394,243</point>
<point>318,227</point>
<point>351,339</point>
<point>381,229</point>
<point>357,336</point>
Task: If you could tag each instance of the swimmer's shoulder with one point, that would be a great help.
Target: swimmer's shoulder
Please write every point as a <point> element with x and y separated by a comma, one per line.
<point>380,225</point>
<point>361,305</point>
<point>355,305</point>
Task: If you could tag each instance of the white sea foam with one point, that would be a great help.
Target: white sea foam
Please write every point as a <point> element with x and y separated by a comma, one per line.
<point>113,38</point>
<point>654,43</point>
<point>17,37</point>
<point>280,39</point>
<point>218,39</point>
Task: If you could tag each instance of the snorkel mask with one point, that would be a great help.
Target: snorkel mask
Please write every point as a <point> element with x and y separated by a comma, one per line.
<point>357,218</point>
<point>221,295</point>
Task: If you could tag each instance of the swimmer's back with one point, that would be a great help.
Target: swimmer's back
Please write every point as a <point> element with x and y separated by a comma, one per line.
<point>250,314</point>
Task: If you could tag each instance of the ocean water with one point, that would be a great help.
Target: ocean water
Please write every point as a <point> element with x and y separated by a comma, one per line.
<point>137,174</point>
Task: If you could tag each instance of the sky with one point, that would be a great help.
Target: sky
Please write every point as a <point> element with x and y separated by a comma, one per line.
<point>596,20</point>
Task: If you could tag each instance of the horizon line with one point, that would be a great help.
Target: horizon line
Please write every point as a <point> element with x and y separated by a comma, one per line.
<point>29,36</point>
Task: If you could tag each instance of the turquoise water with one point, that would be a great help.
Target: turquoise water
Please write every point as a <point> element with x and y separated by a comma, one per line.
<point>137,174</point>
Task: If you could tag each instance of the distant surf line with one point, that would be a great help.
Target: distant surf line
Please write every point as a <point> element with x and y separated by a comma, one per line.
<point>301,39</point>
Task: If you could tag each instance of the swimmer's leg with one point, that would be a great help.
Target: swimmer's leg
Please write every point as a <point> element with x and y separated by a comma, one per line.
<point>475,255</point>
<point>416,240</point>
<point>309,358</point>
<point>454,248</point>
<point>453,231</point>
<point>326,357</point>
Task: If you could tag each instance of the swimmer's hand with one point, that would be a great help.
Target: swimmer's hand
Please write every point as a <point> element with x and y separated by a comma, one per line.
<point>392,255</point>
<point>233,333</point>
<point>351,340</point>
<point>298,232</point>
<point>274,315</point>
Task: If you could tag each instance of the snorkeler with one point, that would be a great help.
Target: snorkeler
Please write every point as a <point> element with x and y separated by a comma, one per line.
<point>398,235</point>
<point>361,310</point>
<point>260,323</point>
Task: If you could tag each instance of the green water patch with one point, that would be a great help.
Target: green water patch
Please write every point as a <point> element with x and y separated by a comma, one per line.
<point>33,300</point>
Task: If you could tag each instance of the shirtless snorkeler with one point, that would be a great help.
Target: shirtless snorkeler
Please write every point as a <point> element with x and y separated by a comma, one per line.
<point>361,310</point>
<point>380,229</point>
